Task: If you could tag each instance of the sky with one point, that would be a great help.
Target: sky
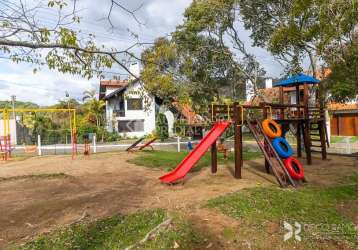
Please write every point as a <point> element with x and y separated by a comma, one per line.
<point>157,18</point>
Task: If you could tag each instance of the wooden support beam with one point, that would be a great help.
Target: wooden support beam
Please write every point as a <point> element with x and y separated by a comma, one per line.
<point>307,136</point>
<point>307,141</point>
<point>267,164</point>
<point>298,138</point>
<point>299,125</point>
<point>322,135</point>
<point>214,158</point>
<point>238,140</point>
<point>281,99</point>
<point>305,99</point>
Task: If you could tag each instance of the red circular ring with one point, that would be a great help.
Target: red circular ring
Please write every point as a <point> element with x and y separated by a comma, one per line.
<point>291,170</point>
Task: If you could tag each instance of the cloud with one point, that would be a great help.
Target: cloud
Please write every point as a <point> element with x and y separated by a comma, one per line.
<point>45,87</point>
<point>160,17</point>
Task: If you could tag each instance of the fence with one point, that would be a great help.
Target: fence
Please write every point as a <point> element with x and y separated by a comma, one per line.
<point>174,144</point>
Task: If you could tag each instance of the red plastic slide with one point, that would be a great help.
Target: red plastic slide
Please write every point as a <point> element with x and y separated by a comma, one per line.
<point>194,156</point>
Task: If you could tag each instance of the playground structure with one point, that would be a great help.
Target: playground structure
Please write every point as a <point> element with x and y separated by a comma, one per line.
<point>137,147</point>
<point>308,121</point>
<point>6,146</point>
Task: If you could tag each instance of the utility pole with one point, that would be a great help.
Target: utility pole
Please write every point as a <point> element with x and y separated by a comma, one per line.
<point>13,100</point>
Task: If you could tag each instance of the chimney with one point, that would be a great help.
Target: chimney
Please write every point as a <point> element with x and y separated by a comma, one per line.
<point>268,83</point>
<point>134,68</point>
<point>249,90</point>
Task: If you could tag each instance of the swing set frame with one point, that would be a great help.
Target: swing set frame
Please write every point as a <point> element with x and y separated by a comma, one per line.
<point>6,114</point>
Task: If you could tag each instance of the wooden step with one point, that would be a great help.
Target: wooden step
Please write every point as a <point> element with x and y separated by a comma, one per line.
<point>316,146</point>
<point>312,139</point>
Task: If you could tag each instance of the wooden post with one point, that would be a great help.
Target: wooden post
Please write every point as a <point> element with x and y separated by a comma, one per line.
<point>282,111</point>
<point>298,137</point>
<point>39,149</point>
<point>94,144</point>
<point>298,127</point>
<point>307,135</point>
<point>238,140</point>
<point>178,144</point>
<point>214,158</point>
<point>267,164</point>
<point>298,100</point>
<point>322,134</point>
<point>305,99</point>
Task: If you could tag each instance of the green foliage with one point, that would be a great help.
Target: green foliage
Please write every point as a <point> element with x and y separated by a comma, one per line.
<point>27,38</point>
<point>198,65</point>
<point>18,104</point>
<point>310,206</point>
<point>180,127</point>
<point>342,82</point>
<point>159,62</point>
<point>293,30</point>
<point>119,232</point>
<point>162,127</point>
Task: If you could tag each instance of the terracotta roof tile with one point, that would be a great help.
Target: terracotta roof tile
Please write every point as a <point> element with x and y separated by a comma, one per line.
<point>188,113</point>
<point>342,106</point>
<point>114,83</point>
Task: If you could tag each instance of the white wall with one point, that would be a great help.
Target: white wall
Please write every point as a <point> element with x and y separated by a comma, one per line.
<point>293,97</point>
<point>134,68</point>
<point>109,114</point>
<point>268,83</point>
<point>110,89</point>
<point>170,119</point>
<point>148,114</point>
<point>12,131</point>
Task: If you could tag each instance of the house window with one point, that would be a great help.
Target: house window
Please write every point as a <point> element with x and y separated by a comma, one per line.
<point>130,126</point>
<point>134,104</point>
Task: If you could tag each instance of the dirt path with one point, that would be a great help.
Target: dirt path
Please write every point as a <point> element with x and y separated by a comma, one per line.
<point>106,184</point>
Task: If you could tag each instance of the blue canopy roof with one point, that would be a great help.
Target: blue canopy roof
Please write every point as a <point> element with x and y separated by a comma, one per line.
<point>295,80</point>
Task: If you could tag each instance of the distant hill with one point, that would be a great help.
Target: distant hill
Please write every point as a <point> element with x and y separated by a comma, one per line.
<point>18,104</point>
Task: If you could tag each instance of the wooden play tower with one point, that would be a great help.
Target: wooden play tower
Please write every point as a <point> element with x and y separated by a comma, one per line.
<point>306,118</point>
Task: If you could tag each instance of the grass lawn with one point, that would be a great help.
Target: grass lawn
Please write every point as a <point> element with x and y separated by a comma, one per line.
<point>328,215</point>
<point>119,232</point>
<point>336,139</point>
<point>168,160</point>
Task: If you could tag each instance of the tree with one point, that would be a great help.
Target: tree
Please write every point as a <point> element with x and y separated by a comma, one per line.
<point>217,21</point>
<point>89,95</point>
<point>24,37</point>
<point>343,80</point>
<point>94,108</point>
<point>199,63</point>
<point>294,30</point>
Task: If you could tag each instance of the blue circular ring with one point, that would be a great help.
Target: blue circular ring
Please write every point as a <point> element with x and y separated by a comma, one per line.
<point>282,147</point>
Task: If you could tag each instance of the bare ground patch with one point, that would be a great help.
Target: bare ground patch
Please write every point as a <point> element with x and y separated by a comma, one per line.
<point>106,184</point>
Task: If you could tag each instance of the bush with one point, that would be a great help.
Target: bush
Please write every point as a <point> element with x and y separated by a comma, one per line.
<point>162,127</point>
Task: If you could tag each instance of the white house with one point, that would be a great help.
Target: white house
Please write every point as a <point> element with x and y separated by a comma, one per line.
<point>132,112</point>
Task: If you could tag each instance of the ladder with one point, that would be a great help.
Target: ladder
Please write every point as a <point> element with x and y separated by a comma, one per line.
<point>275,162</point>
<point>318,137</point>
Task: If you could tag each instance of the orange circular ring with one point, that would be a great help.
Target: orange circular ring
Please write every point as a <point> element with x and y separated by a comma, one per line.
<point>271,128</point>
